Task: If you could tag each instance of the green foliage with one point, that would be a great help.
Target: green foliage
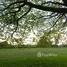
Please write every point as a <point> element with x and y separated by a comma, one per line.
<point>3,44</point>
<point>21,18</point>
<point>6,45</point>
<point>44,41</point>
<point>55,46</point>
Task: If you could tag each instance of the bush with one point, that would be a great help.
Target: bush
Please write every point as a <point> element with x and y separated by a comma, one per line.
<point>63,45</point>
<point>6,45</point>
<point>44,42</point>
<point>54,46</point>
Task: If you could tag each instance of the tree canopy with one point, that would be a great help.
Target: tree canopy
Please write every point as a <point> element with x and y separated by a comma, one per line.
<point>22,16</point>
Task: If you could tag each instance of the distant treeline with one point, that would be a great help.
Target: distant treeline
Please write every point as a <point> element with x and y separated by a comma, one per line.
<point>6,45</point>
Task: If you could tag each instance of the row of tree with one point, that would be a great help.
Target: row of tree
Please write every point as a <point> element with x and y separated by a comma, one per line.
<point>47,39</point>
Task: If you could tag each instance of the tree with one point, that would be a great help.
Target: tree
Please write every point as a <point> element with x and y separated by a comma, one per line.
<point>50,38</point>
<point>45,40</point>
<point>56,34</point>
<point>31,14</point>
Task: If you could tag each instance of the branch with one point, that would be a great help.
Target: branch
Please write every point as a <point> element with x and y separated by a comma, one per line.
<point>12,12</point>
<point>46,8</point>
<point>49,16</point>
<point>40,7</point>
<point>24,14</point>
<point>18,21</point>
<point>12,4</point>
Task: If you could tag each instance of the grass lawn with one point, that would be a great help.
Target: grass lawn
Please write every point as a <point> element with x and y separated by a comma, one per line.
<point>32,58</point>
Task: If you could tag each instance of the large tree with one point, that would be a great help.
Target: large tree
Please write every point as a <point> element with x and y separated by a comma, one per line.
<point>24,15</point>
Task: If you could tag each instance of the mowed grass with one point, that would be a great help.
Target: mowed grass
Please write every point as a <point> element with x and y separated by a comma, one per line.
<point>29,58</point>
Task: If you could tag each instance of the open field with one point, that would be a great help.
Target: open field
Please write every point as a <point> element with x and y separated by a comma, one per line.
<point>49,57</point>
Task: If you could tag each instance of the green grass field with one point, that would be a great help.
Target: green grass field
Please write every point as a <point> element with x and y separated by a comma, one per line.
<point>29,58</point>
